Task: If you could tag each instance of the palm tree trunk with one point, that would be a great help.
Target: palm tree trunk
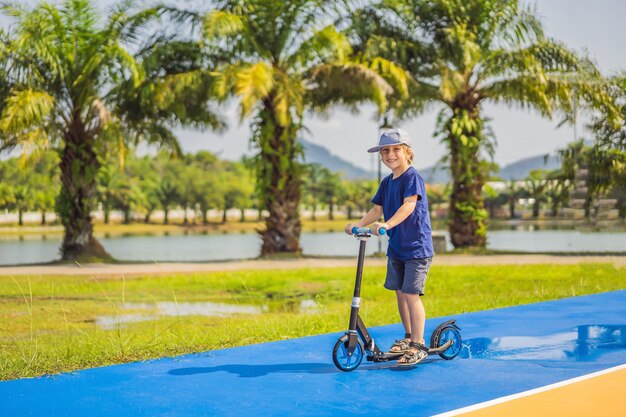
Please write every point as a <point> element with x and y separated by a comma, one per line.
<point>107,211</point>
<point>79,167</point>
<point>512,208</point>
<point>467,221</point>
<point>555,209</point>
<point>280,183</point>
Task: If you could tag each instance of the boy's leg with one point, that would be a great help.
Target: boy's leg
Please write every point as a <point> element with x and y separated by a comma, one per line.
<point>416,272</point>
<point>394,281</point>
<point>417,317</point>
<point>417,347</point>
<point>403,309</point>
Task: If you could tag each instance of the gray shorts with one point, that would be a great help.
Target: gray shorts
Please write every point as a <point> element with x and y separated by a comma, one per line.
<point>407,276</point>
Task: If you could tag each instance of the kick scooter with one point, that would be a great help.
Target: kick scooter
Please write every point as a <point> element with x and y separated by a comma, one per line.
<point>349,350</point>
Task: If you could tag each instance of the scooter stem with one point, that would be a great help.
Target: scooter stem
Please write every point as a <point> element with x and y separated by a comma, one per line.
<point>356,297</point>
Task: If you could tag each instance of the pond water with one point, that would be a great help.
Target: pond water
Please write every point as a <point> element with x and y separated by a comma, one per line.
<point>29,249</point>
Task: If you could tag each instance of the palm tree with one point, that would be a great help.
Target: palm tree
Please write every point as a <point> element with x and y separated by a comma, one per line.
<point>463,54</point>
<point>284,57</point>
<point>75,84</point>
<point>513,191</point>
<point>536,184</point>
<point>557,191</point>
<point>610,137</point>
<point>606,134</point>
<point>592,170</point>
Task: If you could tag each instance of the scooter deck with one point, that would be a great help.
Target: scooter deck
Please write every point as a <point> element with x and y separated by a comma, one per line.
<point>386,356</point>
<point>390,356</point>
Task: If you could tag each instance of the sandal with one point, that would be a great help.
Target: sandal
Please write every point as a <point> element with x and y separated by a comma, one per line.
<point>400,346</point>
<point>413,357</point>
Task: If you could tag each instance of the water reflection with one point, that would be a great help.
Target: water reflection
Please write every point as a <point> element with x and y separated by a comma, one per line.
<point>172,309</point>
<point>155,311</point>
<point>296,306</point>
<point>309,307</point>
<point>583,343</point>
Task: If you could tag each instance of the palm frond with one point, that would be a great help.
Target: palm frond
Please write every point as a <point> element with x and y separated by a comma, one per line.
<point>220,23</point>
<point>120,55</point>
<point>347,84</point>
<point>461,49</point>
<point>178,16</point>
<point>524,92</point>
<point>325,45</point>
<point>510,25</point>
<point>24,109</point>
<point>288,94</point>
<point>254,83</point>
<point>35,43</point>
<point>33,144</point>
<point>397,77</point>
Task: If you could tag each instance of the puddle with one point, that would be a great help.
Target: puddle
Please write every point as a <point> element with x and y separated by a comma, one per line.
<point>172,309</point>
<point>309,307</point>
<point>583,343</point>
<point>154,311</point>
<point>113,322</point>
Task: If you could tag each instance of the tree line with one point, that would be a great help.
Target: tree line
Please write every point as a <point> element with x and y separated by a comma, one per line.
<point>201,182</point>
<point>90,86</point>
<point>196,182</point>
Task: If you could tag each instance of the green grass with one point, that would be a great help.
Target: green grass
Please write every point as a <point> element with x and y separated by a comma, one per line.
<point>48,323</point>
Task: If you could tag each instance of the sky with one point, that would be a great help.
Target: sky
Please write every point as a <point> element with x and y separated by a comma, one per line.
<point>593,27</point>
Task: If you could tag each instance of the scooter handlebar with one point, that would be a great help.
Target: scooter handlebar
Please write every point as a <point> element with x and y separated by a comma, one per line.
<point>367,231</point>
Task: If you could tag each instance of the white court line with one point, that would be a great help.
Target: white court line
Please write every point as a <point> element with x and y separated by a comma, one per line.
<point>528,393</point>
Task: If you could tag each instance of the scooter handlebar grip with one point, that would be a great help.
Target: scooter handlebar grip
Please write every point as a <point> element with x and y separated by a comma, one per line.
<point>367,230</point>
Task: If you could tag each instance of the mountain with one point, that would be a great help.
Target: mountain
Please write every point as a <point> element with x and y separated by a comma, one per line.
<point>520,169</point>
<point>514,171</point>
<point>435,174</point>
<point>316,154</point>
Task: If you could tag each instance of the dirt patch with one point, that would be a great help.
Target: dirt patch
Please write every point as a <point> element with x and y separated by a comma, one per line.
<point>114,271</point>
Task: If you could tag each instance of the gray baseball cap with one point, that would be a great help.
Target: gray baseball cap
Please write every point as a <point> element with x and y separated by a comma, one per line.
<point>392,137</point>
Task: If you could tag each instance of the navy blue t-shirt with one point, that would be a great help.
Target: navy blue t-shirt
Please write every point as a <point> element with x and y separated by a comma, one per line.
<point>412,238</point>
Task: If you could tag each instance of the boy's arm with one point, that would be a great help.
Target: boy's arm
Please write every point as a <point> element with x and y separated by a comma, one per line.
<point>403,212</point>
<point>374,214</point>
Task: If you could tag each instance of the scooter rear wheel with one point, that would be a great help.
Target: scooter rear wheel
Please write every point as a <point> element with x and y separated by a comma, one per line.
<point>443,336</point>
<point>340,355</point>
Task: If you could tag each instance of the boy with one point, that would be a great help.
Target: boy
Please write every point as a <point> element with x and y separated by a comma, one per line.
<point>401,199</point>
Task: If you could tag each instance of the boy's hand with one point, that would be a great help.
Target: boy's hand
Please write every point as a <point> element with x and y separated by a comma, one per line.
<point>348,229</point>
<point>377,226</point>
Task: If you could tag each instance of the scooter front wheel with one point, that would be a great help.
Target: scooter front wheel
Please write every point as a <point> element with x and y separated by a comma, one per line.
<point>346,362</point>
<point>448,333</point>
